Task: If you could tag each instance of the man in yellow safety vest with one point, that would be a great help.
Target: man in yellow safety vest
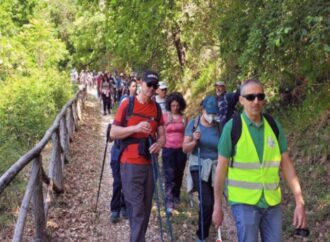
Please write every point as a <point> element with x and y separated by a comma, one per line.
<point>252,171</point>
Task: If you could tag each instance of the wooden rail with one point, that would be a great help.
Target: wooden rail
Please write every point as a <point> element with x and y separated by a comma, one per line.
<point>60,134</point>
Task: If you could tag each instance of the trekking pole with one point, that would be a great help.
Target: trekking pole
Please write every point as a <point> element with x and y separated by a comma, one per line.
<point>200,190</point>
<point>154,172</point>
<point>168,220</point>
<point>104,155</point>
<point>219,239</point>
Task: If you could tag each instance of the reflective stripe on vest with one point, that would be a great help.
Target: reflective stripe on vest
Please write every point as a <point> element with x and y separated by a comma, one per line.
<point>249,177</point>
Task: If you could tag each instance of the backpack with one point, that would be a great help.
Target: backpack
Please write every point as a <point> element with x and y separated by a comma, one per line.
<point>170,119</point>
<point>121,144</point>
<point>236,131</point>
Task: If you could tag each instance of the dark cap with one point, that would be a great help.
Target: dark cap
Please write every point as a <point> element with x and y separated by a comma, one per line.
<point>210,105</point>
<point>150,76</point>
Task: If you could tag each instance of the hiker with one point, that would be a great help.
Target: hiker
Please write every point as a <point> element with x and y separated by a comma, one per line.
<point>136,170</point>
<point>201,139</point>
<point>161,95</point>
<point>131,89</point>
<point>117,204</point>
<point>139,83</point>
<point>174,159</point>
<point>226,102</point>
<point>106,94</point>
<point>252,171</point>
<point>119,86</point>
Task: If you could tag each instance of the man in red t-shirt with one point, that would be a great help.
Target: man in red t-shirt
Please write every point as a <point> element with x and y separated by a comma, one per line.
<point>136,168</point>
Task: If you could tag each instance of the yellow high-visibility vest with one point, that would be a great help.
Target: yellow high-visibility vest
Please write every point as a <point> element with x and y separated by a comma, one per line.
<point>248,177</point>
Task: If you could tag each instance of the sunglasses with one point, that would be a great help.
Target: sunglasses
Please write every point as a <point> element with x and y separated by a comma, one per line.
<point>155,85</point>
<point>252,97</point>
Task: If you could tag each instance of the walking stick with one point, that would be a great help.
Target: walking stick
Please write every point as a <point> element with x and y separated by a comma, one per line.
<point>104,155</point>
<point>219,235</point>
<point>155,161</point>
<point>200,190</point>
<point>155,173</point>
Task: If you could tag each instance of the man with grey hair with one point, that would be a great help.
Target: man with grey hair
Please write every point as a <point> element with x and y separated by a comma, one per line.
<point>251,166</point>
<point>226,102</point>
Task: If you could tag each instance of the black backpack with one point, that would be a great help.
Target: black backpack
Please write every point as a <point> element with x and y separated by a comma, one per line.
<point>236,131</point>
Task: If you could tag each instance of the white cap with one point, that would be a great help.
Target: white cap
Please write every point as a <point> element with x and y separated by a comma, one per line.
<point>220,83</point>
<point>162,85</point>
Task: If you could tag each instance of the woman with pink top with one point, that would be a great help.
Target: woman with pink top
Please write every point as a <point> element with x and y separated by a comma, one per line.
<point>174,160</point>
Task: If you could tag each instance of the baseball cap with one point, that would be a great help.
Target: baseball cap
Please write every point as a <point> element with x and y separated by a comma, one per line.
<point>210,105</point>
<point>219,83</point>
<point>162,85</point>
<point>150,76</point>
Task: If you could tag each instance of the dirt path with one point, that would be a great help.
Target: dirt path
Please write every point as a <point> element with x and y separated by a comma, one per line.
<point>72,216</point>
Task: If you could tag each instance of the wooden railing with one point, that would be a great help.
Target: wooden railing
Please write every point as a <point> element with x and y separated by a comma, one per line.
<point>60,134</point>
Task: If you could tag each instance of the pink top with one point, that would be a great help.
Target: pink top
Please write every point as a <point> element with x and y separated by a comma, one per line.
<point>174,130</point>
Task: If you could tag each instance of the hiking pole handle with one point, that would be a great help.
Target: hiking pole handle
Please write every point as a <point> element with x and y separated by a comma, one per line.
<point>108,132</point>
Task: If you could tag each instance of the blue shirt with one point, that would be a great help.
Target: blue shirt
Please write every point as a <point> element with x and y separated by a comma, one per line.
<point>208,141</point>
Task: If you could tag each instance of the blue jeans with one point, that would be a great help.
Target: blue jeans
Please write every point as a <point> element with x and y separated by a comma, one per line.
<point>250,219</point>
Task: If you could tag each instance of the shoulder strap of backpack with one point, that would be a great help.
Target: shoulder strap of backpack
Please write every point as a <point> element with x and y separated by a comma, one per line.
<point>184,120</point>
<point>129,109</point>
<point>159,112</point>
<point>272,124</point>
<point>235,134</point>
<point>196,123</point>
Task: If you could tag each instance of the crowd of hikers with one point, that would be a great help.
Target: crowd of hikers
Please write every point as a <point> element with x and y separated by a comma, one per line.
<point>229,155</point>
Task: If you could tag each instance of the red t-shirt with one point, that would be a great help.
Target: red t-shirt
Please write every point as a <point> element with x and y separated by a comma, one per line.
<point>131,154</point>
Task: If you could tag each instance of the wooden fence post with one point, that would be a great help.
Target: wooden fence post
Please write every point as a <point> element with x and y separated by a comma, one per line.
<point>64,139</point>
<point>19,228</point>
<point>74,114</point>
<point>55,166</point>
<point>38,205</point>
<point>69,123</point>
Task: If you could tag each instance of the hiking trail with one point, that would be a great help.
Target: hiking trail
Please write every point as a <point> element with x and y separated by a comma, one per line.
<point>72,216</point>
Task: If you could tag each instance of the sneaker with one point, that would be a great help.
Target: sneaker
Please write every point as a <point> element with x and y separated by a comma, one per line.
<point>198,240</point>
<point>114,217</point>
<point>123,213</point>
<point>169,211</point>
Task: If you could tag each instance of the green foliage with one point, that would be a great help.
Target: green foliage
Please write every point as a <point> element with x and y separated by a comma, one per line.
<point>282,41</point>
<point>32,89</point>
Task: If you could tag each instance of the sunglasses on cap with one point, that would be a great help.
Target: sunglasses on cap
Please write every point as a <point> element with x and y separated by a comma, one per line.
<point>155,85</point>
<point>252,97</point>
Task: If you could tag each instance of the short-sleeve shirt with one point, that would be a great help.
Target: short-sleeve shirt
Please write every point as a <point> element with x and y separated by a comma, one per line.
<point>131,154</point>
<point>208,141</point>
<point>257,134</point>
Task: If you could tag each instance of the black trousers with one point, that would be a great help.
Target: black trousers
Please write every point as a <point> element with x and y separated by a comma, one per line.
<point>118,201</point>
<point>174,162</point>
<point>106,103</point>
<point>208,201</point>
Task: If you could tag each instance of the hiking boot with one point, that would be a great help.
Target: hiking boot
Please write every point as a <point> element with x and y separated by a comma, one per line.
<point>115,217</point>
<point>123,213</point>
